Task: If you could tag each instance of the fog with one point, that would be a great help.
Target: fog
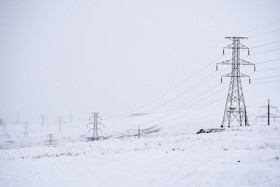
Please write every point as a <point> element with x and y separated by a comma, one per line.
<point>119,57</point>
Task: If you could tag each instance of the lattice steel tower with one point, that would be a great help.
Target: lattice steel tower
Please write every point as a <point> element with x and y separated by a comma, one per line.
<point>235,108</point>
<point>93,120</point>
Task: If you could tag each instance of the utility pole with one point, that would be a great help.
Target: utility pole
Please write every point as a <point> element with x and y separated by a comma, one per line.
<point>94,121</point>
<point>25,134</point>
<point>268,115</point>
<point>138,131</point>
<point>43,117</point>
<point>50,140</point>
<point>4,128</point>
<point>235,108</point>
<point>60,121</point>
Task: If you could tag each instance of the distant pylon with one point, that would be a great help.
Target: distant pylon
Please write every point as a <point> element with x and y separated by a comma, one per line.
<point>235,108</point>
<point>71,118</point>
<point>60,121</point>
<point>43,117</point>
<point>25,133</point>
<point>139,132</point>
<point>3,128</point>
<point>93,120</point>
<point>269,115</point>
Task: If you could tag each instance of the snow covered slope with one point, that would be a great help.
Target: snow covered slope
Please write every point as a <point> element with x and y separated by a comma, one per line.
<point>169,156</point>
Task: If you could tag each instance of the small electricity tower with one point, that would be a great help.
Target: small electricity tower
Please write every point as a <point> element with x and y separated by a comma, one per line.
<point>94,122</point>
<point>269,115</point>
<point>60,122</point>
<point>50,139</point>
<point>25,133</point>
<point>43,117</point>
<point>71,118</point>
<point>3,129</point>
<point>235,108</point>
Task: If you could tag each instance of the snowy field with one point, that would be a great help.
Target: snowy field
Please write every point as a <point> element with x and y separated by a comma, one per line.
<point>165,155</point>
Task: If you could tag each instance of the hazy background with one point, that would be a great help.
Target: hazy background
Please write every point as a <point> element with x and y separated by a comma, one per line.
<point>63,57</point>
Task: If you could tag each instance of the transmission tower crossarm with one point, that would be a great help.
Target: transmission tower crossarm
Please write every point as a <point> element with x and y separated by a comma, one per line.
<point>232,46</point>
<point>233,74</point>
<point>235,38</point>
<point>244,62</point>
<point>266,115</point>
<point>241,62</point>
<point>230,62</point>
<point>271,106</point>
<point>226,62</point>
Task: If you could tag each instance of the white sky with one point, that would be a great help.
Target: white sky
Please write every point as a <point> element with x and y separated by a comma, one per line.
<point>62,57</point>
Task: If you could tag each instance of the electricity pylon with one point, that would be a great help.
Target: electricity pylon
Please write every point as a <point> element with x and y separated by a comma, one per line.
<point>25,133</point>
<point>51,140</point>
<point>71,118</point>
<point>43,117</point>
<point>60,121</point>
<point>235,108</point>
<point>93,120</point>
<point>3,128</point>
<point>269,115</point>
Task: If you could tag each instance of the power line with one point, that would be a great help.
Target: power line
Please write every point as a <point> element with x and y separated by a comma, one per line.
<point>267,61</point>
<point>265,33</point>
<point>258,27</point>
<point>267,69</point>
<point>180,84</point>
<point>266,82</point>
<point>174,111</point>
<point>186,91</point>
<point>264,44</point>
<point>186,80</point>
<point>185,105</point>
<point>267,77</point>
<point>177,74</point>
<point>194,111</point>
<point>207,105</point>
<point>265,51</point>
<point>172,89</point>
<point>164,94</point>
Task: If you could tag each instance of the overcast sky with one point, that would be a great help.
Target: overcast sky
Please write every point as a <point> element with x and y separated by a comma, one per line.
<point>62,57</point>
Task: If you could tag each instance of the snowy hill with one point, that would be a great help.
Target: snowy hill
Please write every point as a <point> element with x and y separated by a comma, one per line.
<point>165,155</point>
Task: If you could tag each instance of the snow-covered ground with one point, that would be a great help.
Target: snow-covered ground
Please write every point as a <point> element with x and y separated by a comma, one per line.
<point>166,155</point>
